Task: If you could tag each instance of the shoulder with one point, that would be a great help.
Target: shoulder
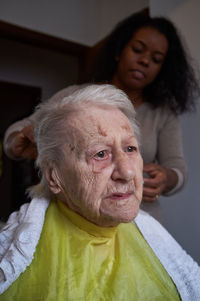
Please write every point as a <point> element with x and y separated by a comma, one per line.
<point>152,229</point>
<point>162,111</point>
<point>18,240</point>
<point>183,270</point>
<point>156,117</point>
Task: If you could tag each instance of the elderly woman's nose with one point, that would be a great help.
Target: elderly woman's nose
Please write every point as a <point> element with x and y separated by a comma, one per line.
<point>123,168</point>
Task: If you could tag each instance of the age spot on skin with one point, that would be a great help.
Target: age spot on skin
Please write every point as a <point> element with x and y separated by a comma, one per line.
<point>72,147</point>
<point>102,131</point>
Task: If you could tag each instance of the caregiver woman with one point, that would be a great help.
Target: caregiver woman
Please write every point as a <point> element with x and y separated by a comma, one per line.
<point>145,58</point>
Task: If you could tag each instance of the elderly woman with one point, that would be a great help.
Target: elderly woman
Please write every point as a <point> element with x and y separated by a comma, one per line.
<point>81,237</point>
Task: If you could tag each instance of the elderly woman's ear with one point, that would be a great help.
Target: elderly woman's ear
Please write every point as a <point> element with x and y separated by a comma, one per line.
<point>53,180</point>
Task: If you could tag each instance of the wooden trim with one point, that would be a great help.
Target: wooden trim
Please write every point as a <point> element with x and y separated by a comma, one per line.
<point>42,40</point>
<point>86,55</point>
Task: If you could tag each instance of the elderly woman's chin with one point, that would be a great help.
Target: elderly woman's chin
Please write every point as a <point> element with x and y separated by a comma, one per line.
<point>123,212</point>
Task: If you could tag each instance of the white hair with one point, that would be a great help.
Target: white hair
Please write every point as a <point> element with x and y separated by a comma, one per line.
<point>50,132</point>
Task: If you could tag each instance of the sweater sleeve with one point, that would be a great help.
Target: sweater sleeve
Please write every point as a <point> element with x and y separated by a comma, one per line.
<point>170,149</point>
<point>161,140</point>
<point>21,124</point>
<point>16,127</point>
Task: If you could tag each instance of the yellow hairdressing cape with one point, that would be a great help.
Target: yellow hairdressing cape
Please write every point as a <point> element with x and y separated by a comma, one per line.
<point>77,260</point>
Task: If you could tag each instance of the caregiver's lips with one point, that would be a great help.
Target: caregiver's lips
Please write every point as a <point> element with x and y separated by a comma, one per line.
<point>137,74</point>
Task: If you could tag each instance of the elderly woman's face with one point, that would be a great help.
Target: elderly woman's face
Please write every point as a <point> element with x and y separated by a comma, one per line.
<point>102,171</point>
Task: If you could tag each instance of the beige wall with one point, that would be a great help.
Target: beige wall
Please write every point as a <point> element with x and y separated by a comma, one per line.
<point>29,65</point>
<point>83,21</point>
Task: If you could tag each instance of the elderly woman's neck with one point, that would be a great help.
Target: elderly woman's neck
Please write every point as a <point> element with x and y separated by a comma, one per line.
<point>98,221</point>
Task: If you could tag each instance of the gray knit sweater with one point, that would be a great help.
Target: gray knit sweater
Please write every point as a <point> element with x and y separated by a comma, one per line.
<point>161,139</point>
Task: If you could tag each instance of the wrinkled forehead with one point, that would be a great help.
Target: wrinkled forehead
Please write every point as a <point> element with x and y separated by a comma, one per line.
<point>97,123</point>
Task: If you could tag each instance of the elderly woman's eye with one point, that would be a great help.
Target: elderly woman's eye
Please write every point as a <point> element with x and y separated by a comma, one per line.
<point>131,149</point>
<point>101,155</point>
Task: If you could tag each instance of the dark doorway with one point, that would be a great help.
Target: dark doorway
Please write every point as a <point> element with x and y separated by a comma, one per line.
<point>17,102</point>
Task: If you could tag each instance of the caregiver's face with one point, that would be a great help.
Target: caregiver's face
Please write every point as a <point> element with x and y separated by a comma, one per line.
<point>103,167</point>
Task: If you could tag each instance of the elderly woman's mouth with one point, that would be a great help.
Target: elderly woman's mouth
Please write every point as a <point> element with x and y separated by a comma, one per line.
<point>120,195</point>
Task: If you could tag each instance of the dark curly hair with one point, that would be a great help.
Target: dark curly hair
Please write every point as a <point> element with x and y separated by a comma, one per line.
<point>175,85</point>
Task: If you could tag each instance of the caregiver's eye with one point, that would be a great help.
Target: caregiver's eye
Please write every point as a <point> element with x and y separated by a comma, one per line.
<point>101,155</point>
<point>131,149</point>
<point>137,49</point>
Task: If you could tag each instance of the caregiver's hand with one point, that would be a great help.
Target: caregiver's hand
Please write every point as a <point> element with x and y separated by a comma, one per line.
<point>160,180</point>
